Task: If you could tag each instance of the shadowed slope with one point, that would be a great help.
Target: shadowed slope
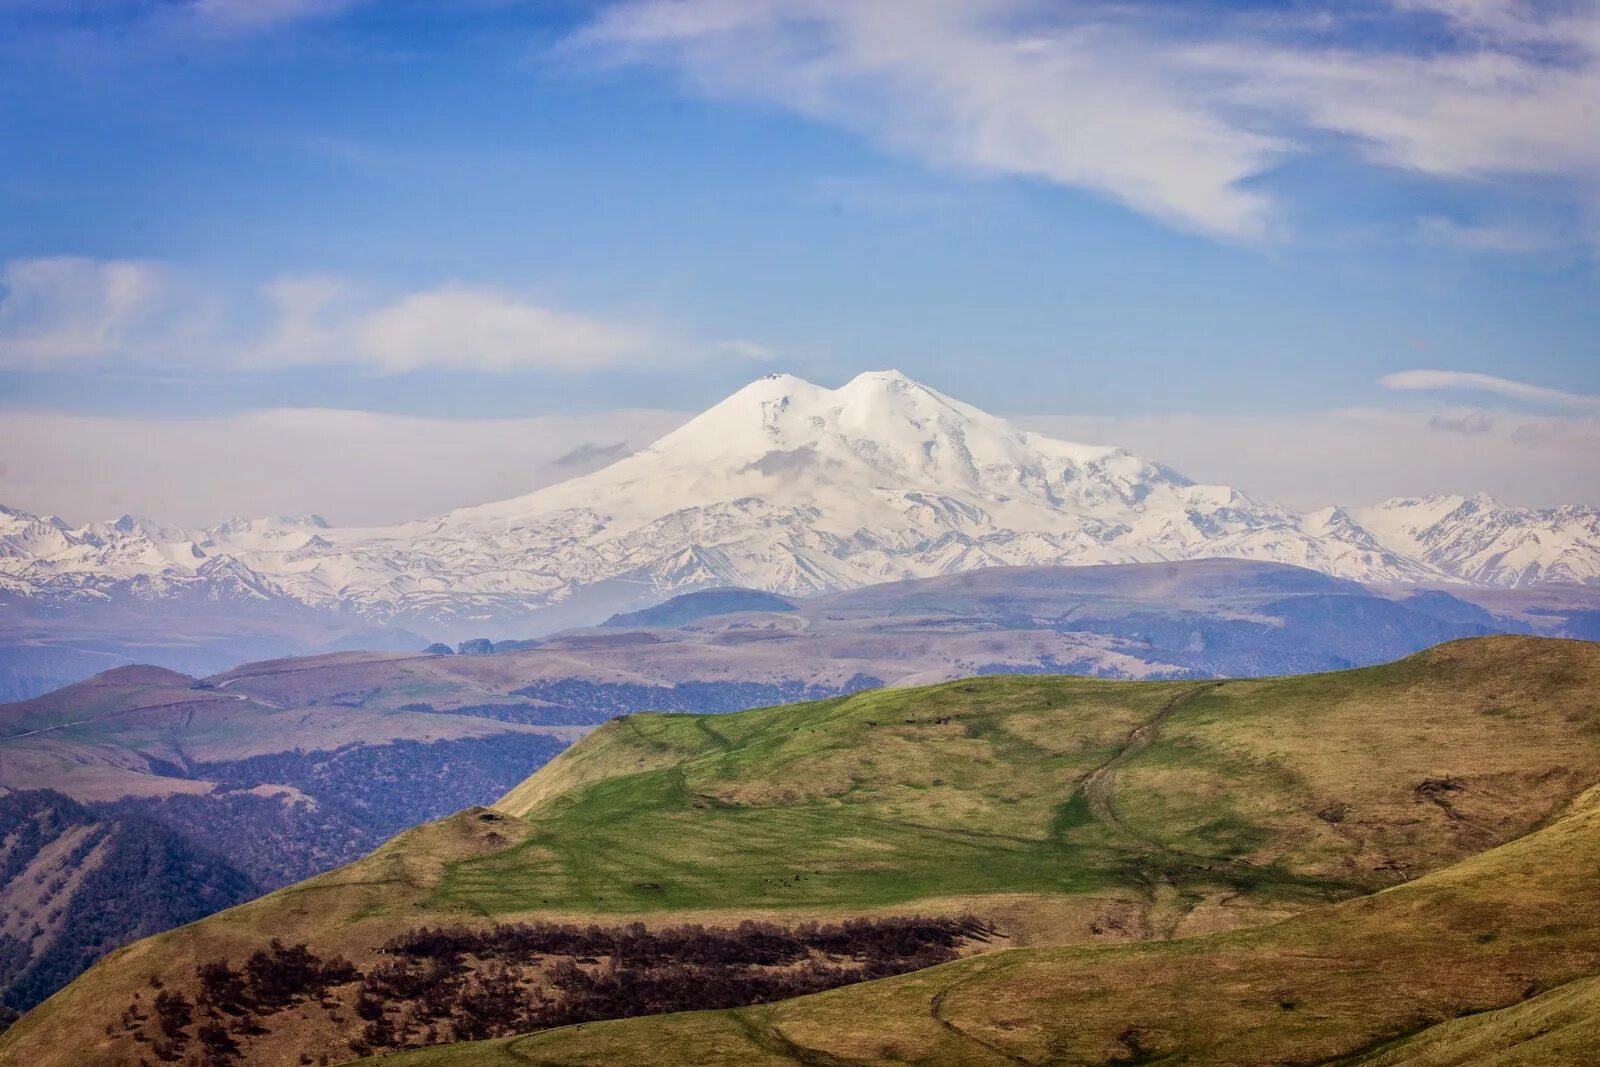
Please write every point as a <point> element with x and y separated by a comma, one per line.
<point>1561,1026</point>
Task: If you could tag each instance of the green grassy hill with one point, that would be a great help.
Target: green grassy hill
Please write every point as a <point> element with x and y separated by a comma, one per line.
<point>1121,818</point>
<point>1484,962</point>
<point>1274,790</point>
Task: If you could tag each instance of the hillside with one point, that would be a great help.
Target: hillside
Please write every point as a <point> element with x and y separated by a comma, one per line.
<point>692,607</point>
<point>1492,960</point>
<point>1209,617</point>
<point>1197,618</point>
<point>148,732</point>
<point>1056,811</point>
<point>145,731</point>
<point>76,882</point>
<point>263,794</point>
<point>46,644</point>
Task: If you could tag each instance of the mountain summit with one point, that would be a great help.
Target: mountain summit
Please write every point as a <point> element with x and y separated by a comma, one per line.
<point>793,488</point>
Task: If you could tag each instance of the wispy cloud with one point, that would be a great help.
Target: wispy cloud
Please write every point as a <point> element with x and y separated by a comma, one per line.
<point>363,467</point>
<point>262,14</point>
<point>1439,380</point>
<point>1175,117</point>
<point>461,327</point>
<point>592,455</point>
<point>1508,239</point>
<point>70,308</point>
<point>325,320</point>
<point>65,309</point>
<point>55,312</point>
<point>1361,456</point>
<point>353,467</point>
<point>984,86</point>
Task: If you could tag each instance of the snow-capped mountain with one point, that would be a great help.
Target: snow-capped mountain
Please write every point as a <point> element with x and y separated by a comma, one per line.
<point>793,488</point>
<point>1478,539</point>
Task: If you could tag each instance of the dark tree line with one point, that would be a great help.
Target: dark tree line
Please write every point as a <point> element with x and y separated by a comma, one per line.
<point>463,983</point>
<point>231,1002</point>
<point>514,978</point>
<point>749,943</point>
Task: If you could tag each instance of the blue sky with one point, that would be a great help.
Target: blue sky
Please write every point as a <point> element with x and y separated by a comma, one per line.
<point>496,210</point>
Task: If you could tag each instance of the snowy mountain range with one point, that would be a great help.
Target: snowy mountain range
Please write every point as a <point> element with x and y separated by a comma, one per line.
<point>793,488</point>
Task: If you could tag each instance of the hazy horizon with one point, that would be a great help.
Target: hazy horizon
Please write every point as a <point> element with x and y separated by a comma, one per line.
<point>283,247</point>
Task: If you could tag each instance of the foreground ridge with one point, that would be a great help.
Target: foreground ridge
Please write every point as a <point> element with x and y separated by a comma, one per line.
<point>1416,975</point>
<point>1298,833</point>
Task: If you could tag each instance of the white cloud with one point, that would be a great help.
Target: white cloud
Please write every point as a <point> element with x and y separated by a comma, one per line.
<point>1435,380</point>
<point>1458,114</point>
<point>351,467</point>
<point>1360,456</point>
<point>71,310</point>
<point>67,308</point>
<point>327,320</point>
<point>971,84</point>
<point>356,467</point>
<point>301,313</point>
<point>460,327</point>
<point>1172,116</point>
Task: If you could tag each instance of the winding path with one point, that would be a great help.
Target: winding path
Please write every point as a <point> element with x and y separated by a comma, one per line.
<point>1099,786</point>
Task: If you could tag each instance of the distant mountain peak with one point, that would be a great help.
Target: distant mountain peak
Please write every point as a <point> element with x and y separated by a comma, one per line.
<point>793,488</point>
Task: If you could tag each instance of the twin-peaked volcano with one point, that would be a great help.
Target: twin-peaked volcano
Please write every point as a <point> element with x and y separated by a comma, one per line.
<point>794,488</point>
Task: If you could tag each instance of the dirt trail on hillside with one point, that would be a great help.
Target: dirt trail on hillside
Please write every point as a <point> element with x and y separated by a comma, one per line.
<point>120,712</point>
<point>1166,911</point>
<point>936,1012</point>
<point>1099,786</point>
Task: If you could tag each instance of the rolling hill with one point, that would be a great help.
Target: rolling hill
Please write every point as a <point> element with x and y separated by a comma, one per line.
<point>1100,846</point>
<point>147,731</point>
<point>1493,960</point>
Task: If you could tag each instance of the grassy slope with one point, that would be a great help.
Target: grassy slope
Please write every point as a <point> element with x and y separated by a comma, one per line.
<point>1558,1027</point>
<point>113,691</point>
<point>1070,810</point>
<point>1333,985</point>
<point>1277,787</point>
